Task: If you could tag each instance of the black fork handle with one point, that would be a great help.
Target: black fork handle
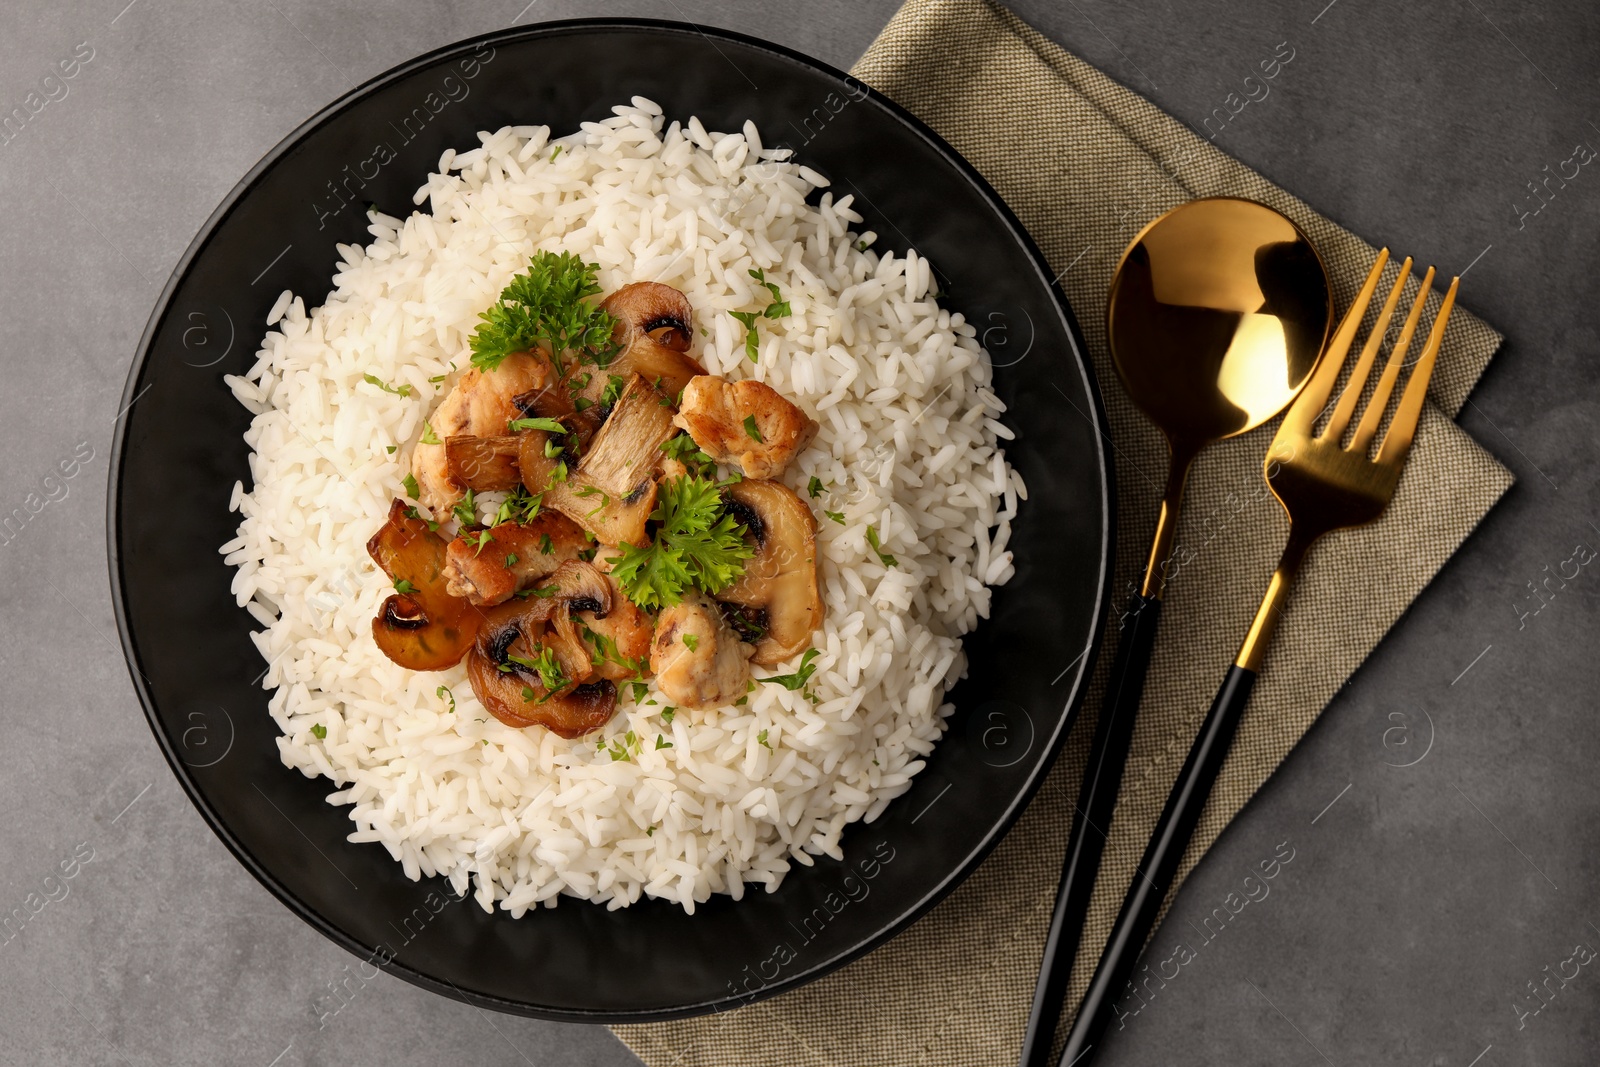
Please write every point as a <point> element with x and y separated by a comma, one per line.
<point>1156,870</point>
<point>1091,821</point>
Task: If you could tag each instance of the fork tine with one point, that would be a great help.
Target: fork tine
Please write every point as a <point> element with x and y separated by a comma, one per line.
<point>1303,413</point>
<point>1370,421</point>
<point>1369,353</point>
<point>1397,442</point>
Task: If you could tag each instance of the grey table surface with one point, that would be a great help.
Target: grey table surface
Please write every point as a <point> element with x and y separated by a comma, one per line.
<point>1443,811</point>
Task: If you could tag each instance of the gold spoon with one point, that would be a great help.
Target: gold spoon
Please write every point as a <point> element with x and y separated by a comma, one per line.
<point>1218,312</point>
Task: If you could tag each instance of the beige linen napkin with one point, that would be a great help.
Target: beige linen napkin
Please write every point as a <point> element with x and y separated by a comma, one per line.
<point>1085,163</point>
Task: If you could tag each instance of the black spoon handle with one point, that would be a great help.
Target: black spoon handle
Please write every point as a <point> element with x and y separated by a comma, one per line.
<point>1091,821</point>
<point>1160,863</point>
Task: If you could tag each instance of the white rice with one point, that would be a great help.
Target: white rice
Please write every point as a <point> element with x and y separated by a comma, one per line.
<point>907,445</point>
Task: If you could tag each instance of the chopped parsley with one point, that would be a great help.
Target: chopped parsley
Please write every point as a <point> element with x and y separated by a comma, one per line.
<point>521,506</point>
<point>667,714</point>
<point>883,557</point>
<point>391,449</point>
<point>779,306</point>
<point>546,305</point>
<point>579,381</point>
<point>836,516</point>
<point>466,509</point>
<point>683,449</point>
<point>697,545</point>
<point>444,691</point>
<point>775,310</point>
<point>606,651</point>
<point>479,539</point>
<point>410,483</point>
<point>626,746</point>
<point>319,731</point>
<point>545,665</point>
<point>581,403</point>
<point>662,742</point>
<point>613,391</point>
<point>546,546</point>
<point>751,341</point>
<point>751,431</point>
<point>511,558</point>
<point>799,678</point>
<point>397,390</point>
<point>814,487</point>
<point>640,690</point>
<point>547,425</point>
<point>557,152</point>
<point>691,642</point>
<point>761,739</point>
<point>403,587</point>
<point>594,490</point>
<point>428,436</point>
<point>414,514</point>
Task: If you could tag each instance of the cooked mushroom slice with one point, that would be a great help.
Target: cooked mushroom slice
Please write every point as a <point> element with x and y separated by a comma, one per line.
<point>485,464</point>
<point>654,328</point>
<point>481,405</point>
<point>424,627</point>
<point>515,557</point>
<point>698,661</point>
<point>611,519</point>
<point>628,445</point>
<point>777,593</point>
<point>747,422</point>
<point>515,693</point>
<point>529,667</point>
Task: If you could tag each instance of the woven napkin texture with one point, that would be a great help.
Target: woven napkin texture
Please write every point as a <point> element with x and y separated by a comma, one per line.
<point>1085,164</point>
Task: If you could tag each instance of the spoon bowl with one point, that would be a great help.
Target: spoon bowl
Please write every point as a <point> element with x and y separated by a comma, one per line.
<point>1217,313</point>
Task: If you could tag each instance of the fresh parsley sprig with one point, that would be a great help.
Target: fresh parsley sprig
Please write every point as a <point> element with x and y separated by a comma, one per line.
<point>546,306</point>
<point>697,545</point>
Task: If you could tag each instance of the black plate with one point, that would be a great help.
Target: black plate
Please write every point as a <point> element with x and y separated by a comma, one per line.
<point>178,452</point>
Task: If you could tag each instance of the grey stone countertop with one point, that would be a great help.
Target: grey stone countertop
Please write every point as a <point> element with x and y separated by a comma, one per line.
<point>1426,905</point>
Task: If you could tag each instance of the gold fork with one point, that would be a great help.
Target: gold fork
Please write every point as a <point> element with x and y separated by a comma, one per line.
<point>1324,485</point>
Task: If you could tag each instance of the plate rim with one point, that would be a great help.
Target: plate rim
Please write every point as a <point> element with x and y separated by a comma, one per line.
<point>906,915</point>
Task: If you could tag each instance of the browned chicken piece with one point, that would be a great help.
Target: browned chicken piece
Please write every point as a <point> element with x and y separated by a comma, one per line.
<point>745,422</point>
<point>698,660</point>
<point>482,404</point>
<point>625,629</point>
<point>516,557</point>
